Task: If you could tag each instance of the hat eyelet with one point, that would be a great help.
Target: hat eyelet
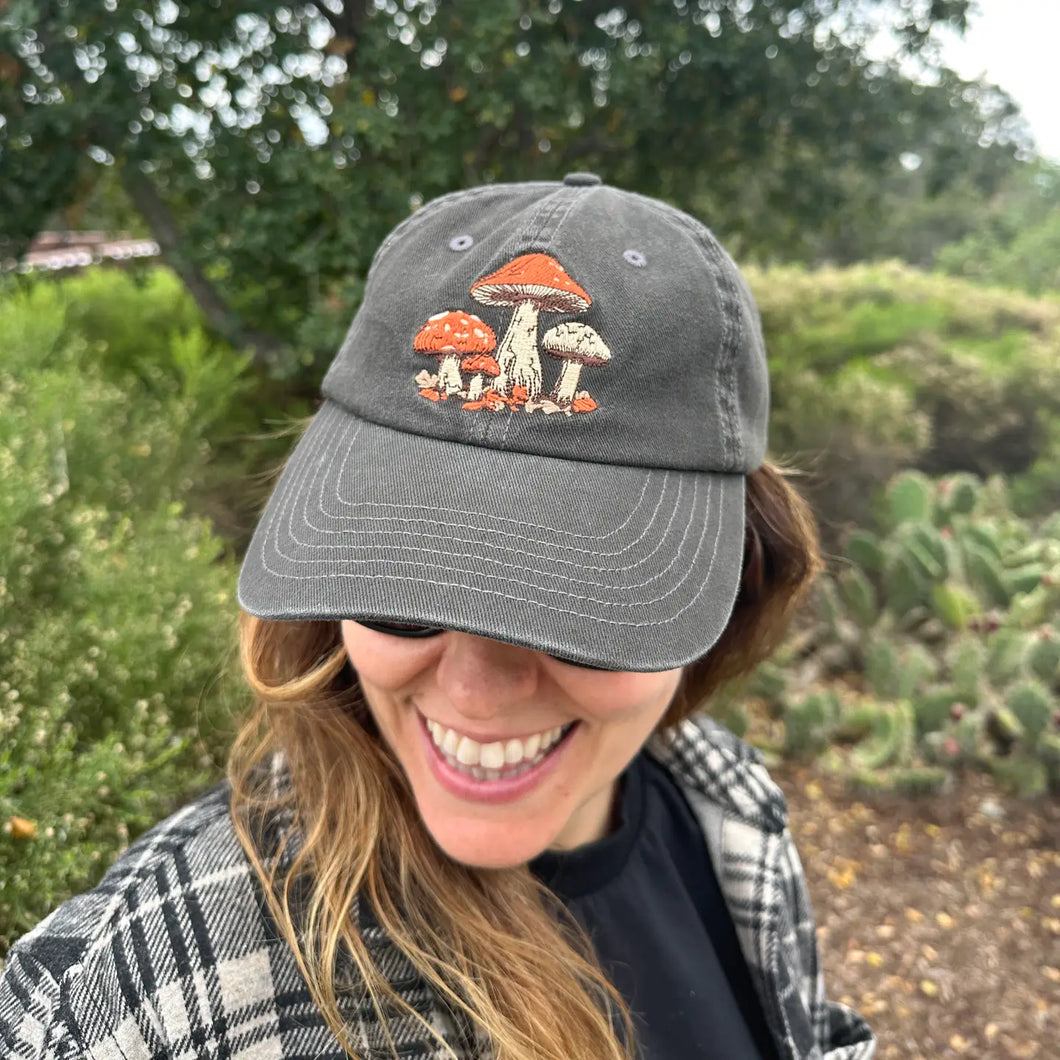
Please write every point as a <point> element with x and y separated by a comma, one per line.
<point>634,258</point>
<point>464,242</point>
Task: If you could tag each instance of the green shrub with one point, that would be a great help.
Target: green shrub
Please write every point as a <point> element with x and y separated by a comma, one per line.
<point>130,318</point>
<point>876,368</point>
<point>142,331</point>
<point>116,607</point>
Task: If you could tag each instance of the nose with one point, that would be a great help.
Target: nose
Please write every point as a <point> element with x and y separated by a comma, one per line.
<point>481,677</point>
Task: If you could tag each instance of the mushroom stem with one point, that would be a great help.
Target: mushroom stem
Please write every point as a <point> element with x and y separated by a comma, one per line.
<point>517,354</point>
<point>567,383</point>
<point>449,379</point>
<point>474,392</point>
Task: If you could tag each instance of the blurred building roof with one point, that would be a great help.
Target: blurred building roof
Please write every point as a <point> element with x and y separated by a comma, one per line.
<point>52,251</point>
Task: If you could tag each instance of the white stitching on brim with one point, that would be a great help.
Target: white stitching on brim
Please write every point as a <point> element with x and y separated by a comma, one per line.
<point>447,539</point>
<point>521,539</point>
<point>443,549</point>
<point>486,515</point>
<point>283,501</point>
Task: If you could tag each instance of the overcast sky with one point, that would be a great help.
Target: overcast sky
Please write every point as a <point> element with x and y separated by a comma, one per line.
<point>1016,44</point>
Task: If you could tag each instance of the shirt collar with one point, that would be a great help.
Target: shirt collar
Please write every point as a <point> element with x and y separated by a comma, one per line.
<point>705,756</point>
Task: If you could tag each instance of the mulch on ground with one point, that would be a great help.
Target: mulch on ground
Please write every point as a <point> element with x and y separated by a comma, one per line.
<point>939,918</point>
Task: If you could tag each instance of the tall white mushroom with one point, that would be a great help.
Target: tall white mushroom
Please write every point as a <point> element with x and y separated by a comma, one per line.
<point>532,284</point>
<point>450,336</point>
<point>576,345</point>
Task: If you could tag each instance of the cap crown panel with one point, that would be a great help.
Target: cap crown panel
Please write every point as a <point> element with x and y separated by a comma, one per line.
<point>684,386</point>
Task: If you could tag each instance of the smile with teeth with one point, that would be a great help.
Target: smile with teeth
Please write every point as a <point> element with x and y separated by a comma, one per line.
<point>501,760</point>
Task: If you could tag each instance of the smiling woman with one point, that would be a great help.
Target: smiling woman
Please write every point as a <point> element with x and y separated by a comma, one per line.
<point>480,809</point>
<point>454,709</point>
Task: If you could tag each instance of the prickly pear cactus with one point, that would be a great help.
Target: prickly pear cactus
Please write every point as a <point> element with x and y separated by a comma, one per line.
<point>892,738</point>
<point>863,549</point>
<point>859,596</point>
<point>809,722</point>
<point>1033,706</point>
<point>935,647</point>
<point>954,605</point>
<point>955,495</point>
<point>909,498</point>
<point>1043,655</point>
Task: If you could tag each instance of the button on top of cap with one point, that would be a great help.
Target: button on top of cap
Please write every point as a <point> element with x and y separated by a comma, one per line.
<point>581,180</point>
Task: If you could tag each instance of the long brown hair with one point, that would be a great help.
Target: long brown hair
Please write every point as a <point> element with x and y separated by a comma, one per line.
<point>496,948</point>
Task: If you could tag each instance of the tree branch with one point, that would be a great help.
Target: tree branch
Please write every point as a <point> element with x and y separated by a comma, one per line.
<point>219,315</point>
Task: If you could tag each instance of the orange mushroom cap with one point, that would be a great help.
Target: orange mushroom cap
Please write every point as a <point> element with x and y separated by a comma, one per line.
<point>455,331</point>
<point>480,362</point>
<point>533,278</point>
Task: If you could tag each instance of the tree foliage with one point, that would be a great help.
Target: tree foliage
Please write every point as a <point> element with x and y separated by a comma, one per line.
<point>1016,240</point>
<point>270,150</point>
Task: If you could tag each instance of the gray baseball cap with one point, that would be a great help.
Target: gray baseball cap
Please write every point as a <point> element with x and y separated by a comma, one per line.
<point>537,430</point>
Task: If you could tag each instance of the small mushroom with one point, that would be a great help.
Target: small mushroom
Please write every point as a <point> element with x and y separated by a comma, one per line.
<point>532,284</point>
<point>483,366</point>
<point>450,336</point>
<point>576,345</point>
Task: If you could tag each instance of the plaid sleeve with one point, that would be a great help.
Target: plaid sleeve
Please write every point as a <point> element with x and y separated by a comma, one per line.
<point>168,956</point>
<point>31,1022</point>
<point>840,1032</point>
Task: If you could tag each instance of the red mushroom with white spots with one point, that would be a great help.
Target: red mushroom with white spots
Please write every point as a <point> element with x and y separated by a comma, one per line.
<point>531,284</point>
<point>577,345</point>
<point>483,367</point>
<point>450,336</point>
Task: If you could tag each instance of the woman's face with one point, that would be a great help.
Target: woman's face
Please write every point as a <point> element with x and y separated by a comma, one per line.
<point>473,723</point>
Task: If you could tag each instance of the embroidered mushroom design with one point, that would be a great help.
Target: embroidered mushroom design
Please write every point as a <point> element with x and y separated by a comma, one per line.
<point>484,367</point>
<point>530,284</point>
<point>450,336</point>
<point>577,345</point>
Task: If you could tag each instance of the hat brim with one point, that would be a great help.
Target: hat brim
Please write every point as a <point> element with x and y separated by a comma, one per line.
<point>624,568</point>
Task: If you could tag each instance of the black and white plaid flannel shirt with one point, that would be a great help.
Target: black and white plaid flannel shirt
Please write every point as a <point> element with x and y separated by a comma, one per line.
<point>175,955</point>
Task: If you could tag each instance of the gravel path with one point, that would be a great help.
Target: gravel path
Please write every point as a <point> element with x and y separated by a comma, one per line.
<point>939,919</point>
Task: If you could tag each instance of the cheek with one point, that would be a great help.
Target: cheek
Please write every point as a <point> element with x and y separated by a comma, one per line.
<point>624,698</point>
<point>387,663</point>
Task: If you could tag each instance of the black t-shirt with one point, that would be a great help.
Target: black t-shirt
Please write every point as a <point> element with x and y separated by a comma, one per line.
<point>649,899</point>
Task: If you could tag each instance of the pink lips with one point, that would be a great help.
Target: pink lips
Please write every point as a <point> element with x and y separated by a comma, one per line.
<point>490,791</point>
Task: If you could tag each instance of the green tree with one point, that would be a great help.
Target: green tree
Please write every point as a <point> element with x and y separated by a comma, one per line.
<point>940,191</point>
<point>1016,240</point>
<point>269,151</point>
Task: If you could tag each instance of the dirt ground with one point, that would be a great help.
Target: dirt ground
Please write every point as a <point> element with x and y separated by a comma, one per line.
<point>939,919</point>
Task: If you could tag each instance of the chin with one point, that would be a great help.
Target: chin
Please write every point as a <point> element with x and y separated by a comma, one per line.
<point>488,845</point>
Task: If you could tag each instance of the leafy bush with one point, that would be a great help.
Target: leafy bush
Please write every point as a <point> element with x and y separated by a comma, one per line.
<point>129,317</point>
<point>142,331</point>
<point>935,647</point>
<point>116,607</point>
<point>876,368</point>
